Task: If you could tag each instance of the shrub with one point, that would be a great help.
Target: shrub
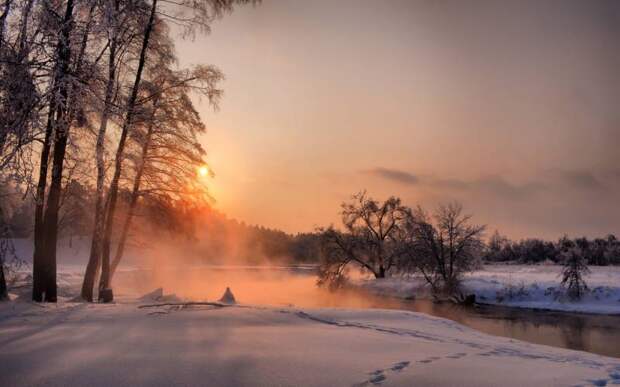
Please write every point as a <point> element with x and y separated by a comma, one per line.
<point>575,268</point>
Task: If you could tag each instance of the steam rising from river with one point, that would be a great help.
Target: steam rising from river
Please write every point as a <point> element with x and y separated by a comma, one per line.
<point>265,285</point>
<point>192,270</point>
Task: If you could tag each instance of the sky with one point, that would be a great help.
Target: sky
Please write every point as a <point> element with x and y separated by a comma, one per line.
<point>511,108</point>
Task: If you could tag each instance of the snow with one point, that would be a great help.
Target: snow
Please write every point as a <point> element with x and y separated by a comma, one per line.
<point>142,340</point>
<point>125,345</point>
<point>526,286</point>
<point>160,339</point>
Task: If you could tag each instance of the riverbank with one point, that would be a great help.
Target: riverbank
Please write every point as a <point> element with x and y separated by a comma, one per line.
<point>127,344</point>
<point>520,286</point>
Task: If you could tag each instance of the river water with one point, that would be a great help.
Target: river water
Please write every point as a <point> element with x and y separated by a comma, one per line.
<point>297,287</point>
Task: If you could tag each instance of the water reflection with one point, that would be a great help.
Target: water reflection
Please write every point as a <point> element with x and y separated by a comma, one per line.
<point>593,333</point>
<point>297,287</point>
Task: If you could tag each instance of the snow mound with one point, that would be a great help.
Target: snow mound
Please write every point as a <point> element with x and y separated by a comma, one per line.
<point>153,296</point>
<point>228,297</point>
<point>158,295</point>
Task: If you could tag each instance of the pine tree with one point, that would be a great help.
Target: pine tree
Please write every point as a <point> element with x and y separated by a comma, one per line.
<point>575,268</point>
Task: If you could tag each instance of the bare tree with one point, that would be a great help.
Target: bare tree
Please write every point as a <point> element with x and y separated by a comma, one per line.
<point>372,238</point>
<point>191,15</point>
<point>443,247</point>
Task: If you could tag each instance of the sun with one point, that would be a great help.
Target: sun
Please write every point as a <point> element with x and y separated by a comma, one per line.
<point>203,171</point>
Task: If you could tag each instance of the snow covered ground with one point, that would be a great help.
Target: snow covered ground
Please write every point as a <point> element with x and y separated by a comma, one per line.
<point>527,286</point>
<point>134,344</point>
<point>161,342</point>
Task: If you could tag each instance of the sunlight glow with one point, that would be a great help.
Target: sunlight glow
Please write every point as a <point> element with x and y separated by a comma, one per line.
<point>203,171</point>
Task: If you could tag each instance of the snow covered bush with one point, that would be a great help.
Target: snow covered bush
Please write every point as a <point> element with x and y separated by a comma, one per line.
<point>512,292</point>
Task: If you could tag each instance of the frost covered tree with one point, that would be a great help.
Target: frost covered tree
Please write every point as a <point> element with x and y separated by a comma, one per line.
<point>70,85</point>
<point>46,216</point>
<point>19,92</point>
<point>167,154</point>
<point>573,272</point>
<point>190,16</point>
<point>372,238</point>
<point>122,22</point>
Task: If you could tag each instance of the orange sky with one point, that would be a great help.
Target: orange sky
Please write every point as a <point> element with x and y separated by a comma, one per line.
<point>510,108</point>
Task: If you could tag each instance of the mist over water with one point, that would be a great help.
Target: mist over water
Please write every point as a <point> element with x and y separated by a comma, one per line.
<point>262,285</point>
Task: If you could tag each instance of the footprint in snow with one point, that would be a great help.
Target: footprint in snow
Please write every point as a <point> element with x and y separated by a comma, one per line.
<point>614,377</point>
<point>429,359</point>
<point>400,366</point>
<point>377,377</point>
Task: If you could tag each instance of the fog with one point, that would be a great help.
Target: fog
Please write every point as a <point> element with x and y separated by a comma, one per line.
<point>250,285</point>
<point>184,271</point>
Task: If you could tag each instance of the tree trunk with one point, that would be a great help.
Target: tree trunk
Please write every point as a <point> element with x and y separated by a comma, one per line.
<point>4,234</point>
<point>4,292</point>
<point>104,283</point>
<point>50,219</point>
<point>37,263</point>
<point>39,235</point>
<point>134,193</point>
<point>380,273</point>
<point>94,261</point>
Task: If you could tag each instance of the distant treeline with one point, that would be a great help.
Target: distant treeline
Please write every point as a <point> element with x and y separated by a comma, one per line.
<point>597,251</point>
<point>251,244</point>
<point>210,234</point>
<point>216,237</point>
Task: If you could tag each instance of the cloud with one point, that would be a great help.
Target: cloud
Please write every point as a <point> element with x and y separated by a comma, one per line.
<point>396,175</point>
<point>548,204</point>
<point>581,179</point>
<point>493,185</point>
<point>496,185</point>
